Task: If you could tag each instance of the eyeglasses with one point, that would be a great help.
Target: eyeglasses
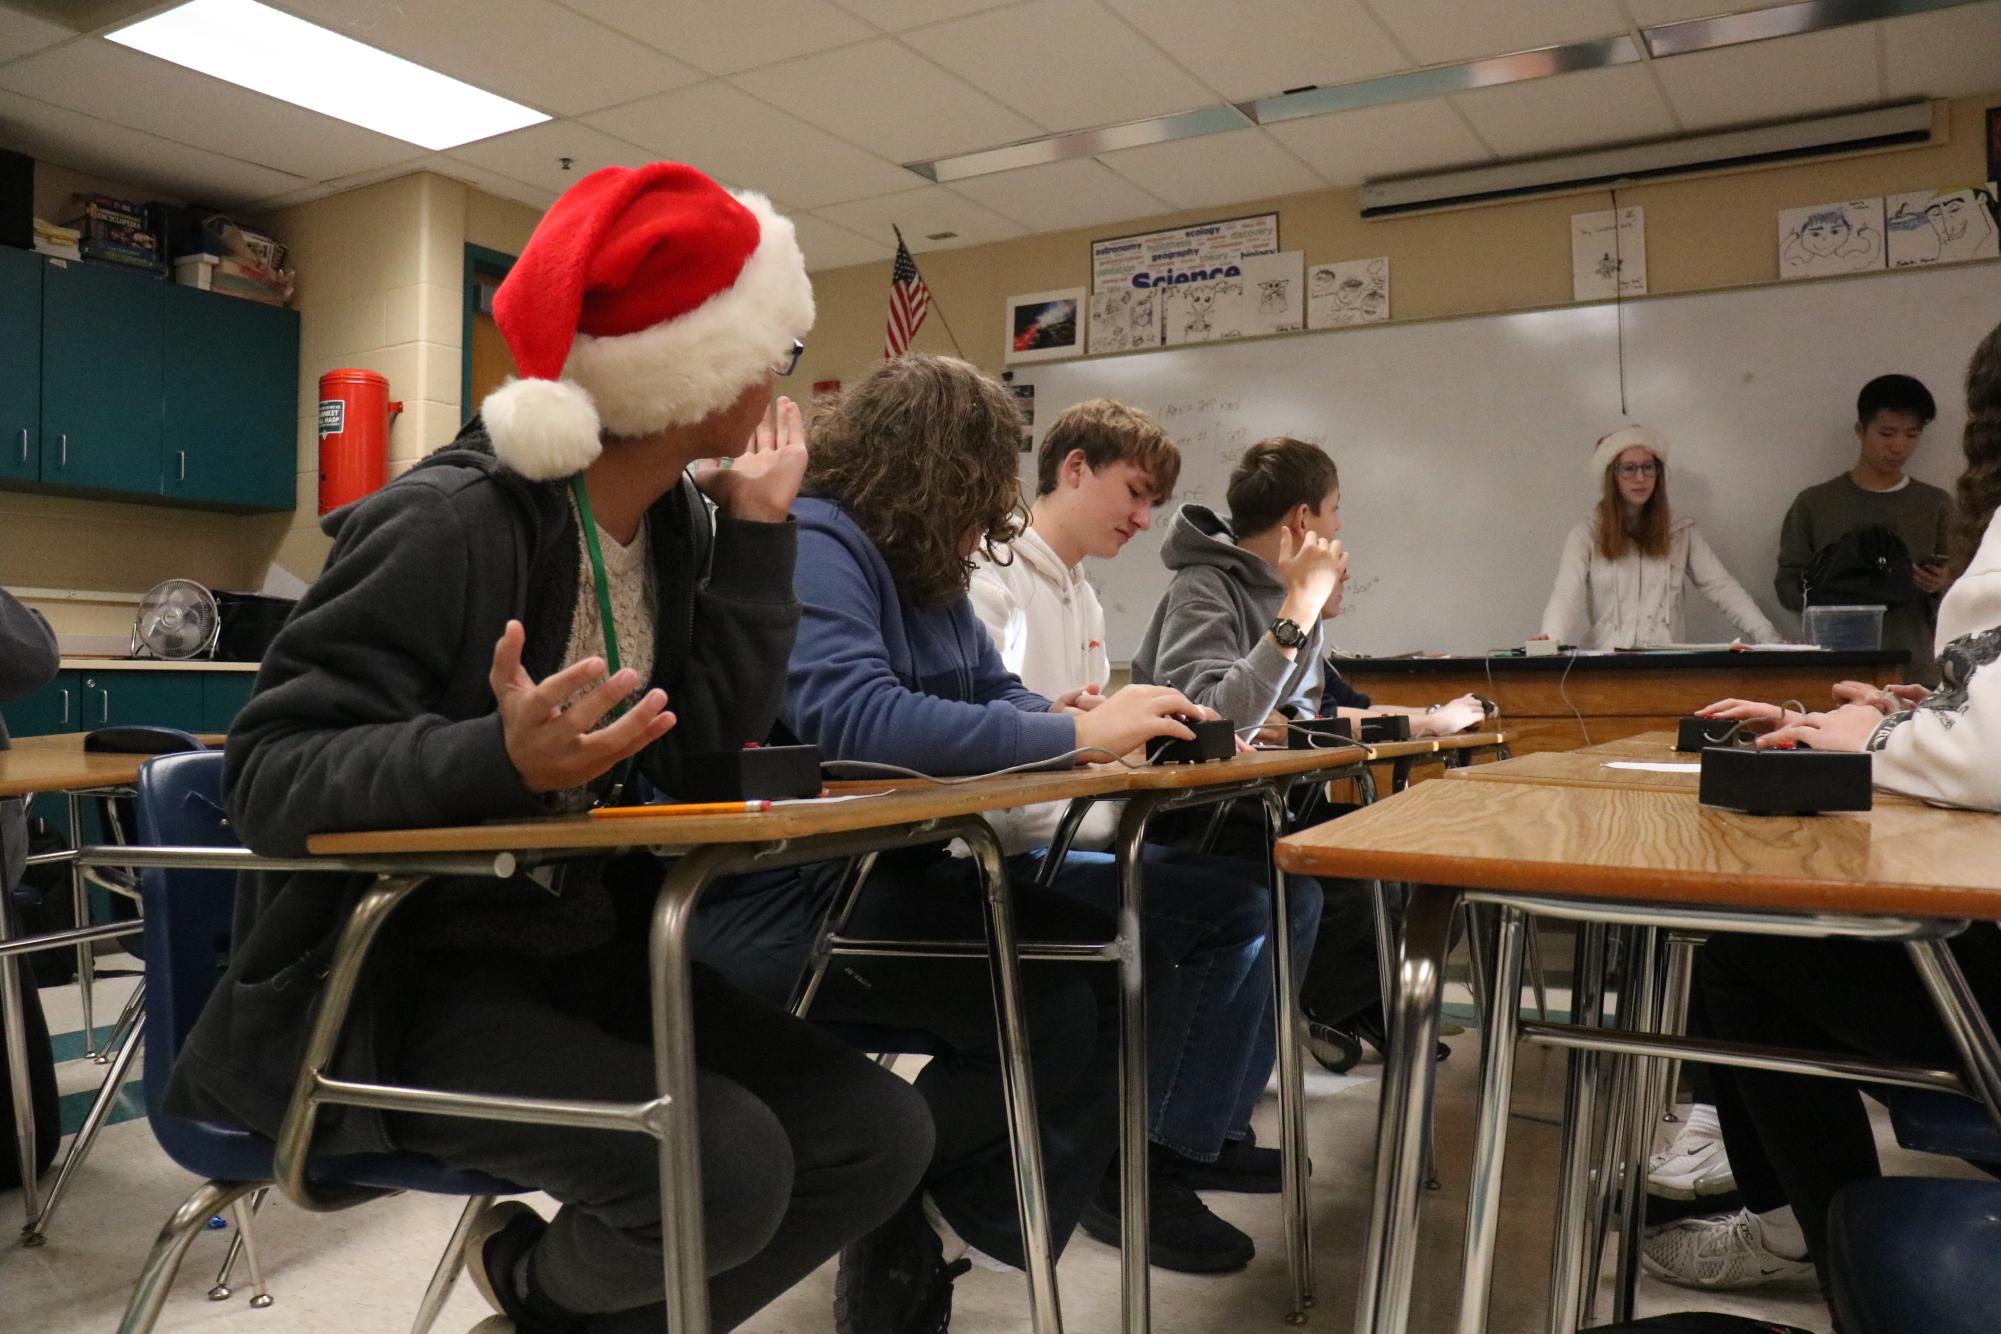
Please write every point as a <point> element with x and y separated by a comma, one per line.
<point>1638,469</point>
<point>790,363</point>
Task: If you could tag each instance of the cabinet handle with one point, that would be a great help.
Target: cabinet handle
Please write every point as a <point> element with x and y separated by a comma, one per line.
<point>62,445</point>
<point>184,464</point>
<point>65,717</point>
<point>24,444</point>
<point>105,696</point>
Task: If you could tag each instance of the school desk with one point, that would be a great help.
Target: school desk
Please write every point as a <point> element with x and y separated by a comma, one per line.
<point>1902,872</point>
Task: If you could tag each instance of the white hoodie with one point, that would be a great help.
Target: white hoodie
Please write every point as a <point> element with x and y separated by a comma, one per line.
<point>1948,749</point>
<point>1049,627</point>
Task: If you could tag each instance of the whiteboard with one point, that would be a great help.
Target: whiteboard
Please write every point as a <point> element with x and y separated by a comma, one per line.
<point>1464,444</point>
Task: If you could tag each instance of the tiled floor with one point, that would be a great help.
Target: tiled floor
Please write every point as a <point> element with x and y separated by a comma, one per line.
<point>362,1270</point>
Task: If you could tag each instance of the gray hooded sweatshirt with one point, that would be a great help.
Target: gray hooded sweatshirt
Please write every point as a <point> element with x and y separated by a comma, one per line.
<point>1207,638</point>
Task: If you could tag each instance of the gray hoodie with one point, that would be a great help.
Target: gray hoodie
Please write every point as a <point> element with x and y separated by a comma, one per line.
<point>1207,638</point>
<point>28,661</point>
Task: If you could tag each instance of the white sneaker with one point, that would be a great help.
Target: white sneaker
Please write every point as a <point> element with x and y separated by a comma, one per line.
<point>493,1324</point>
<point>1693,1165</point>
<point>1716,1253</point>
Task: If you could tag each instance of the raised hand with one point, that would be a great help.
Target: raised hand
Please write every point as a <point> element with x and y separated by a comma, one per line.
<point>761,483</point>
<point>1310,571</point>
<point>554,748</point>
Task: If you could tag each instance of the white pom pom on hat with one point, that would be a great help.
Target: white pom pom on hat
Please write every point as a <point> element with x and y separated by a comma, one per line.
<point>1612,446</point>
<point>648,297</point>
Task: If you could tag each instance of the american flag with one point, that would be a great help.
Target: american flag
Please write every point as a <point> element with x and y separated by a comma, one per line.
<point>909,301</point>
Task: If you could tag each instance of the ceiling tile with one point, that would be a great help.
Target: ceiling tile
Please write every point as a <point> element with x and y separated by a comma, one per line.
<point>920,213</point>
<point>146,161</point>
<point>1065,64</point>
<point>932,113</point>
<point>1653,13</point>
<point>1269,46</point>
<point>532,51</point>
<point>495,183</point>
<point>1436,31</point>
<point>725,38</point>
<point>1586,109</point>
<point>1058,196</point>
<point>21,33</point>
<point>896,15</point>
<point>128,88</point>
<point>534,155</point>
<point>828,246</point>
<point>341,185</point>
<point>1771,80</point>
<point>1350,147</point>
<point>1953,53</point>
<point>1214,170</point>
<point>734,137</point>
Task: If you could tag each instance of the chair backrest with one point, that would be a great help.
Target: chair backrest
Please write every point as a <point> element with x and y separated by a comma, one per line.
<point>187,912</point>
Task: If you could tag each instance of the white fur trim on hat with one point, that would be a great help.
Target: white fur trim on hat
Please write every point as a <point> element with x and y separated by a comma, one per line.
<point>1617,443</point>
<point>681,370</point>
<point>543,429</point>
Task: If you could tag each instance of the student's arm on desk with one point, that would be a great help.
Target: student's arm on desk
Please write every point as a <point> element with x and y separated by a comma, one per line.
<point>28,653</point>
<point>1946,753</point>
<point>340,734</point>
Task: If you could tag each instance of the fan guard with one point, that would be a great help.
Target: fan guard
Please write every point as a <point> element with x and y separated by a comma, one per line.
<point>177,619</point>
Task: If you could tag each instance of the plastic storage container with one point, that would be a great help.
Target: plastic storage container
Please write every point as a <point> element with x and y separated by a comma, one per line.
<point>1845,627</point>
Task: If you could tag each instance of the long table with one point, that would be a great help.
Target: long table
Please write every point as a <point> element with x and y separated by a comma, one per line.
<point>1570,700</point>
<point>1622,854</point>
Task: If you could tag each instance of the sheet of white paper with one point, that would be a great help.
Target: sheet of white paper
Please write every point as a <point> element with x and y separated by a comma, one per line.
<point>1649,766</point>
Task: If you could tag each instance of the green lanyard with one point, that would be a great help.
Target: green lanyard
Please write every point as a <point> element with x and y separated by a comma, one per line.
<point>624,768</point>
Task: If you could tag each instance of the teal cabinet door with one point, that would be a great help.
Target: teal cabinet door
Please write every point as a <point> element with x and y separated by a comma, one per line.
<point>56,707</point>
<point>159,699</point>
<point>223,695</point>
<point>230,425</point>
<point>20,365</point>
<point>101,360</point>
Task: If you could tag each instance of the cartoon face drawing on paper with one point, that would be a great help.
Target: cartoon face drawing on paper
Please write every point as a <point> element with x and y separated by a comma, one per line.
<point>1142,316</point>
<point>1964,222</point>
<point>1824,234</point>
<point>1830,241</point>
<point>1271,295</point>
<point>1348,295</point>
<point>1375,303</point>
<point>1324,282</point>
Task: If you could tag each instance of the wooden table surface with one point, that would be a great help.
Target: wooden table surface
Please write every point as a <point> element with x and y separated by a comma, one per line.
<point>1643,746</point>
<point>59,763</point>
<point>1902,858</point>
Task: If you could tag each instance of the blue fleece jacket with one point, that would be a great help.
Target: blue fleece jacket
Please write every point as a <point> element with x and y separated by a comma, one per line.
<point>873,678</point>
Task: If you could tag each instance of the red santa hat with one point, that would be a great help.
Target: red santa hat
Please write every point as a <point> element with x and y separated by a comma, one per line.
<point>1612,446</point>
<point>648,297</point>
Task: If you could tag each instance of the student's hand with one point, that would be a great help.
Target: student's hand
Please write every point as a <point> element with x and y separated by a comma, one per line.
<point>1275,730</point>
<point>760,484</point>
<point>1456,715</point>
<point>1310,574</point>
<point>1081,700</point>
<point>1753,714</point>
<point>1861,692</point>
<point>1135,715</point>
<point>1846,728</point>
<point>554,748</point>
<point>1930,578</point>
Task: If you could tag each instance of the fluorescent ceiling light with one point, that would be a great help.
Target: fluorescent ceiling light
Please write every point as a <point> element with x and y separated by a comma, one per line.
<point>259,48</point>
<point>1084,143</point>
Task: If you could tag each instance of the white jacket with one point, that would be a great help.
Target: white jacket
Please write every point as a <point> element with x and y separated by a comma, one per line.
<point>1948,749</point>
<point>1046,621</point>
<point>1635,601</point>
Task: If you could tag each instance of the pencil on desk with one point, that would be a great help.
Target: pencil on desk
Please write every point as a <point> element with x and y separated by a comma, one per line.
<point>684,808</point>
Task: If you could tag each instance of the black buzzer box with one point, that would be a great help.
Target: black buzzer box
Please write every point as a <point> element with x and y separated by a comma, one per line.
<point>1215,739</point>
<point>1318,733</point>
<point>1786,782</point>
<point>753,773</point>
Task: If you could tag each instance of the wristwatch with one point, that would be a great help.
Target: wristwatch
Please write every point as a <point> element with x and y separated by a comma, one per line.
<point>1287,632</point>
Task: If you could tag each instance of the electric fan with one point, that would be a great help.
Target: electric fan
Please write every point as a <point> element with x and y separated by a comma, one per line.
<point>177,619</point>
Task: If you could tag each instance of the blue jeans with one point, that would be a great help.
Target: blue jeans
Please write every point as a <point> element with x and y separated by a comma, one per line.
<point>1212,1032</point>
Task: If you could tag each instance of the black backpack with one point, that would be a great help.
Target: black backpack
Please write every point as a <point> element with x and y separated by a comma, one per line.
<point>1863,567</point>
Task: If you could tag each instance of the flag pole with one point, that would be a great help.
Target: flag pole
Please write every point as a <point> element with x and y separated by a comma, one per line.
<point>935,304</point>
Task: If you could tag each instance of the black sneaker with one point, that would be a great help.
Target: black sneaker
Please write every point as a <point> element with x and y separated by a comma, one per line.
<point>1336,1049</point>
<point>1182,1234</point>
<point>895,1280</point>
<point>1369,1026</point>
<point>1242,1167</point>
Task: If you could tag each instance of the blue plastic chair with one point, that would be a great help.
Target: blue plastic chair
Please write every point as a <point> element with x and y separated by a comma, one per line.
<point>1913,1253</point>
<point>187,933</point>
<point>1943,1123</point>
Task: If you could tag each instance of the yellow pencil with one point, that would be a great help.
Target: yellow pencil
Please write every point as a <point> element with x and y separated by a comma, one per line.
<point>686,808</point>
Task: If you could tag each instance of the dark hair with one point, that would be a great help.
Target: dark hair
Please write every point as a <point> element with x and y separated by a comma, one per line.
<point>1978,493</point>
<point>920,453</point>
<point>1647,531</point>
<point>1275,475</point>
<point>1895,393</point>
<point>1108,433</point>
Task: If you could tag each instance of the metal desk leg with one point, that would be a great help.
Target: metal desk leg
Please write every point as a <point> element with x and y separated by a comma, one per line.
<point>1639,1123</point>
<point>86,955</point>
<point>1674,1015</point>
<point>16,1035</point>
<point>36,1232</point>
<point>1133,1237</point>
<point>1963,1017</point>
<point>1291,1078</point>
<point>1575,1171</point>
<point>1497,1080</point>
<point>1018,1084</point>
<point>1408,1076</point>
